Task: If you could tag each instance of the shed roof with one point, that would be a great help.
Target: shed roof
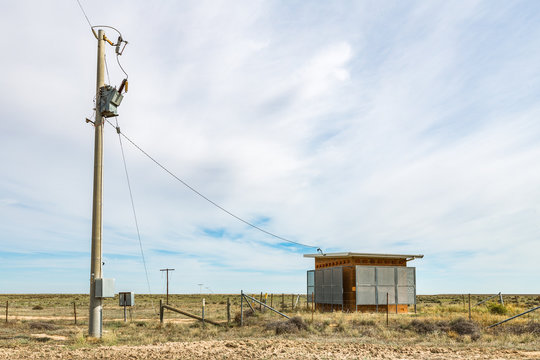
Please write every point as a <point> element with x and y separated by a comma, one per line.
<point>364,255</point>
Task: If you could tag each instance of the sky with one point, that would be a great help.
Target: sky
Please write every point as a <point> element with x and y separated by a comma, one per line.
<point>363,126</point>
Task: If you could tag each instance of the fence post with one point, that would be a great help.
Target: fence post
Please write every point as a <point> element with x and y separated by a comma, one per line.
<point>387,309</point>
<point>271,300</point>
<point>203,304</point>
<point>501,299</point>
<point>292,301</point>
<point>7,306</point>
<point>282,300</point>
<point>228,312</point>
<point>75,312</point>
<point>241,308</point>
<point>312,308</point>
<point>260,299</point>
<point>470,316</point>
<point>161,311</point>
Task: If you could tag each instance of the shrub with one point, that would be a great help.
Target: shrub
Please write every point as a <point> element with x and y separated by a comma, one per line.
<point>247,314</point>
<point>42,326</point>
<point>496,308</point>
<point>464,327</point>
<point>37,307</point>
<point>292,325</point>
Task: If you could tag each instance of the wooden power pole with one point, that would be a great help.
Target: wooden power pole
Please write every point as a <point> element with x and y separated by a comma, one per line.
<point>95,311</point>
<point>167,270</point>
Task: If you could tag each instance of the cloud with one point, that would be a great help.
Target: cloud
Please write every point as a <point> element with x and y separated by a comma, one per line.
<point>355,127</point>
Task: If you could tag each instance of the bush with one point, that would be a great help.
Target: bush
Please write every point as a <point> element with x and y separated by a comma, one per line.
<point>247,314</point>
<point>426,326</point>
<point>460,326</point>
<point>464,327</point>
<point>37,307</point>
<point>42,326</point>
<point>292,325</point>
<point>498,309</point>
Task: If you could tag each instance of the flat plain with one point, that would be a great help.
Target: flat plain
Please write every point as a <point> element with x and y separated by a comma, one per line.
<point>43,326</point>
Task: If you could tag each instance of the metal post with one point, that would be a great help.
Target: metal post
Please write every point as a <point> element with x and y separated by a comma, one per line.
<point>241,308</point>
<point>75,312</point>
<point>167,270</point>
<point>470,316</point>
<point>125,312</point>
<point>161,311</point>
<point>228,311</point>
<point>260,299</point>
<point>312,307</point>
<point>95,309</point>
<point>203,303</point>
<point>387,309</point>
<point>271,300</point>
<point>7,307</point>
<point>501,299</point>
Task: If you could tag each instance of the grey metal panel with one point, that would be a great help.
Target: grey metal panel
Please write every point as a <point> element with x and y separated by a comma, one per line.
<point>372,284</point>
<point>337,285</point>
<point>104,288</point>
<point>310,285</point>
<point>402,276</point>
<point>126,298</point>
<point>411,276</point>
<point>385,275</point>
<point>403,294</point>
<point>365,295</point>
<point>365,275</point>
<point>327,286</point>
<point>319,286</point>
<point>411,295</point>
<point>381,294</point>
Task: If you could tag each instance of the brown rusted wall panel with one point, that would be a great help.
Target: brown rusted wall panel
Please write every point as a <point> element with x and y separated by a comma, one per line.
<point>326,262</point>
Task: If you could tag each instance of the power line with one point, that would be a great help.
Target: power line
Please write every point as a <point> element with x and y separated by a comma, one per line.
<point>207,199</point>
<point>132,204</point>
<point>84,13</point>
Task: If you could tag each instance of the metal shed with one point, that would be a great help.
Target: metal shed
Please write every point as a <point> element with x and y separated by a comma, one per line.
<point>362,282</point>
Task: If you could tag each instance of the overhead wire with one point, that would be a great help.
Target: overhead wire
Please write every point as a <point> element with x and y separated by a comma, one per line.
<point>208,199</point>
<point>121,134</point>
<point>133,205</point>
<point>84,13</point>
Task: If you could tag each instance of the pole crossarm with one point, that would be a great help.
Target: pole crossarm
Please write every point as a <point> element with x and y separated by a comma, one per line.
<point>266,306</point>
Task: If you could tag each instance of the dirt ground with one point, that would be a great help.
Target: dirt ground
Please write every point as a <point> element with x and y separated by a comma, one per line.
<point>263,349</point>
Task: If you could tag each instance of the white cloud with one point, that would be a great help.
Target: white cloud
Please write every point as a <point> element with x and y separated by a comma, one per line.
<point>357,127</point>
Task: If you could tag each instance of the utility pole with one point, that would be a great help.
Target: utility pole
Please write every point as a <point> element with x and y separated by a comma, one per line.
<point>167,270</point>
<point>95,311</point>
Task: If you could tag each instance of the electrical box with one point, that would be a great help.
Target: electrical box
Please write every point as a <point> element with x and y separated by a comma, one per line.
<point>104,288</point>
<point>109,101</point>
<point>126,299</point>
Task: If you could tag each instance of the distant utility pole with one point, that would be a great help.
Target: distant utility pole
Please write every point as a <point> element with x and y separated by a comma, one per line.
<point>167,270</point>
<point>95,311</point>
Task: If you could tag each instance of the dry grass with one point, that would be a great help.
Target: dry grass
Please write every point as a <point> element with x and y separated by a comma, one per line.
<point>440,321</point>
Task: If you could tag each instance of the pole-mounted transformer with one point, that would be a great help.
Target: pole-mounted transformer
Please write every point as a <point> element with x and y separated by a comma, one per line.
<point>109,101</point>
